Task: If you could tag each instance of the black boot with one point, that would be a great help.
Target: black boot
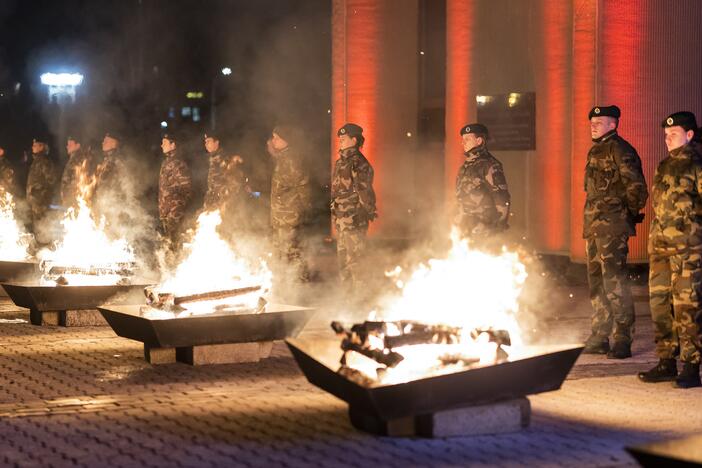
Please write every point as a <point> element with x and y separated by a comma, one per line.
<point>620,350</point>
<point>596,345</point>
<point>665,371</point>
<point>689,377</point>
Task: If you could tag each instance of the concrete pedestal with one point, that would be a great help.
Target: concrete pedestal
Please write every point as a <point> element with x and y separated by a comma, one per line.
<point>494,418</point>
<point>68,318</point>
<point>232,353</point>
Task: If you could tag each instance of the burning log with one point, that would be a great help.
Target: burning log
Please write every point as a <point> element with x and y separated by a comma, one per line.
<point>214,295</point>
<point>169,301</point>
<point>376,340</point>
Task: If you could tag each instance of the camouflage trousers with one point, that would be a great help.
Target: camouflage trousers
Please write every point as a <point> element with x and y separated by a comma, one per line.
<point>350,250</point>
<point>676,281</point>
<point>610,293</point>
<point>289,249</point>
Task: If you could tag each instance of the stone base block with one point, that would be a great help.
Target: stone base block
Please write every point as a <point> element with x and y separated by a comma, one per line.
<point>68,318</point>
<point>232,353</point>
<point>494,418</point>
<point>159,355</point>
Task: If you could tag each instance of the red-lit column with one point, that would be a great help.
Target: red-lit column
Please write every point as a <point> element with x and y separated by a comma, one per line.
<point>549,182</point>
<point>583,90</point>
<point>374,84</point>
<point>460,86</point>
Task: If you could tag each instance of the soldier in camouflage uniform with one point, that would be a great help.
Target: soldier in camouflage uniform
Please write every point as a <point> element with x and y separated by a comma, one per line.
<point>352,206</point>
<point>78,171</point>
<point>111,180</point>
<point>41,181</point>
<point>616,192</point>
<point>675,255</point>
<point>290,197</point>
<point>8,180</point>
<point>481,188</point>
<point>226,183</point>
<point>175,190</point>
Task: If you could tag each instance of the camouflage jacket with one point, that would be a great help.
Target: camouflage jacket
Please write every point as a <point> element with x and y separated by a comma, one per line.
<point>41,180</point>
<point>353,198</point>
<point>80,163</point>
<point>225,180</point>
<point>111,175</point>
<point>483,197</point>
<point>615,188</point>
<point>175,188</point>
<point>8,181</point>
<point>290,189</point>
<point>677,203</point>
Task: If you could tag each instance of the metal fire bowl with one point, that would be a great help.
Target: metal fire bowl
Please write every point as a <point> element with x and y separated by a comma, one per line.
<point>539,369</point>
<point>11,270</point>
<point>51,298</point>
<point>670,453</point>
<point>277,323</point>
<point>18,270</point>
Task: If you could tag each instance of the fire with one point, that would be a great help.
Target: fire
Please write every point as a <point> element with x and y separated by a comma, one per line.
<point>470,290</point>
<point>86,255</point>
<point>212,265</point>
<point>14,241</point>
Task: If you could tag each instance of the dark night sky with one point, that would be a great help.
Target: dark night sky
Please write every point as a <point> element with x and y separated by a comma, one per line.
<point>140,56</point>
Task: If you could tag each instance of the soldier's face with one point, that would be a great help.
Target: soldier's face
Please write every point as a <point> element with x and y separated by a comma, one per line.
<point>601,125</point>
<point>675,137</point>
<point>167,145</point>
<point>109,143</point>
<point>346,141</point>
<point>2,152</point>
<point>211,145</point>
<point>72,146</point>
<point>471,141</point>
<point>278,143</point>
<point>37,147</point>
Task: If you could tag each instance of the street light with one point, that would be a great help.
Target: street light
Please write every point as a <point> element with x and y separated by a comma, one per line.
<point>62,85</point>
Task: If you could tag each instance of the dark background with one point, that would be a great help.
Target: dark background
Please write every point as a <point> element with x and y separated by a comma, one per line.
<point>141,57</point>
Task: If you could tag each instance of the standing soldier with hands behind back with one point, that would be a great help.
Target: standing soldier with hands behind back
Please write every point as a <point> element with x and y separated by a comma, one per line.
<point>352,205</point>
<point>616,192</point>
<point>675,256</point>
<point>41,184</point>
<point>80,164</point>
<point>175,190</point>
<point>481,188</point>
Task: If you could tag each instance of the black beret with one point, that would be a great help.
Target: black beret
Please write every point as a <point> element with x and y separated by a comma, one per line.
<point>77,137</point>
<point>476,128</point>
<point>604,111</point>
<point>114,134</point>
<point>170,136</point>
<point>350,129</point>
<point>41,137</point>
<point>683,119</point>
<point>211,134</point>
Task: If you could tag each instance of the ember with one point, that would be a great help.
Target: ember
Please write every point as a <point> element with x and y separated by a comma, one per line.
<point>380,340</point>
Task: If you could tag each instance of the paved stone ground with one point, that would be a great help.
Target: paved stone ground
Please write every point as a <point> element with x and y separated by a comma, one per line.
<point>85,397</point>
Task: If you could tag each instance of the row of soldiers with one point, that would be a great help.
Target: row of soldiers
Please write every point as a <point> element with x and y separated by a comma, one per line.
<point>616,193</point>
<point>104,184</point>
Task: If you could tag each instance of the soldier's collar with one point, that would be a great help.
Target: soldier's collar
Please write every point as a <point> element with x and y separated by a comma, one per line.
<point>346,152</point>
<point>605,137</point>
<point>680,151</point>
<point>477,151</point>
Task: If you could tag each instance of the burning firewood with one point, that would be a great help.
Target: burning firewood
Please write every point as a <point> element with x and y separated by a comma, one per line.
<point>170,301</point>
<point>376,340</point>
